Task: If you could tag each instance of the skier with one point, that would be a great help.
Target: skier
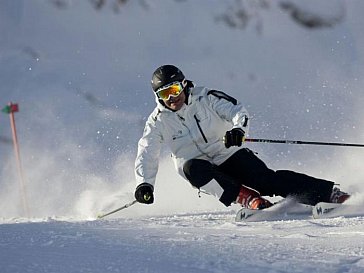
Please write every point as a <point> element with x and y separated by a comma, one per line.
<point>205,131</point>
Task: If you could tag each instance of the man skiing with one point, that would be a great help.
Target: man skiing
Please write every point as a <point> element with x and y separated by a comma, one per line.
<point>205,130</point>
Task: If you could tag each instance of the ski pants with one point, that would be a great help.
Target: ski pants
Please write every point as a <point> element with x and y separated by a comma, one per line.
<point>245,168</point>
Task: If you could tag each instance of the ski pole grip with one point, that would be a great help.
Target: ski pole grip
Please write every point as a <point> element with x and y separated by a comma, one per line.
<point>146,197</point>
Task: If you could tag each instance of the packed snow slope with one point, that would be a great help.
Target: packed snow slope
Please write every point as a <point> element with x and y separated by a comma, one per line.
<point>183,243</point>
<point>81,75</point>
<point>80,71</point>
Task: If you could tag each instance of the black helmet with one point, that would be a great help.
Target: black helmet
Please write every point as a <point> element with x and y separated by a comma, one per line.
<point>166,74</point>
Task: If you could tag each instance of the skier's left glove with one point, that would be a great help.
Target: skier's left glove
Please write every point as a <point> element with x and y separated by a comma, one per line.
<point>235,137</point>
<point>144,193</point>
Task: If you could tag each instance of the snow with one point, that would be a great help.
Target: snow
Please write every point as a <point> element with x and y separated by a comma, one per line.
<point>206,242</point>
<point>81,78</point>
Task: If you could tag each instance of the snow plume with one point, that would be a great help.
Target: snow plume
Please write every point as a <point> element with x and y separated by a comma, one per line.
<point>54,189</point>
<point>69,168</point>
<point>53,185</point>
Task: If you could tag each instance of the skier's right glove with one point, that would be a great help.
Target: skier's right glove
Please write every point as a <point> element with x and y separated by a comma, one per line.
<point>144,193</point>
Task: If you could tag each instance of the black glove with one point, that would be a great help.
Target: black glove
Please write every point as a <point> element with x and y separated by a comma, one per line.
<point>144,193</point>
<point>234,137</point>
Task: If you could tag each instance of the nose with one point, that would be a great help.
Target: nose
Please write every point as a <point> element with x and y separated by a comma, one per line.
<point>172,99</point>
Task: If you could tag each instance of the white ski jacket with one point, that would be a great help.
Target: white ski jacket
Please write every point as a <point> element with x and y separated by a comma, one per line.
<point>194,131</point>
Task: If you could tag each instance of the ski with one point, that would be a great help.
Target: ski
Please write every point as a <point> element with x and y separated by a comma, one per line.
<point>287,209</point>
<point>331,210</point>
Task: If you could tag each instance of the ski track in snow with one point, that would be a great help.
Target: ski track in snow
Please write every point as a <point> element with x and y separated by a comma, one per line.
<point>182,243</point>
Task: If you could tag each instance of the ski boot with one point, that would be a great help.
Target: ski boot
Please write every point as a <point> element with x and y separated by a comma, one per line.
<point>338,196</point>
<point>251,199</point>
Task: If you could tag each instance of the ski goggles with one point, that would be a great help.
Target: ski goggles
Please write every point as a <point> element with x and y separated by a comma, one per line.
<point>173,89</point>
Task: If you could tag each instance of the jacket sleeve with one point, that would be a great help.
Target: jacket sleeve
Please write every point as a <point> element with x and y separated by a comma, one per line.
<point>147,160</point>
<point>229,109</point>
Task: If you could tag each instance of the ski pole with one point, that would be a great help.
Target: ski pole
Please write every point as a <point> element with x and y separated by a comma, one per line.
<point>10,109</point>
<point>303,142</point>
<point>116,210</point>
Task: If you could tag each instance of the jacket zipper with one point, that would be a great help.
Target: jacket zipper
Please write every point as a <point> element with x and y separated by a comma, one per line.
<point>199,127</point>
<point>189,132</point>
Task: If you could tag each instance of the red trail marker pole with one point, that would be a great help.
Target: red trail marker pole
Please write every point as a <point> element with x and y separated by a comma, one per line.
<point>11,109</point>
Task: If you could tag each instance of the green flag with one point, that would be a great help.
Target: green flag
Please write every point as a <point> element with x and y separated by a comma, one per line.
<point>6,109</point>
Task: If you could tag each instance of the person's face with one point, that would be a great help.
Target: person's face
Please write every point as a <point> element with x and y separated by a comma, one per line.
<point>176,103</point>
